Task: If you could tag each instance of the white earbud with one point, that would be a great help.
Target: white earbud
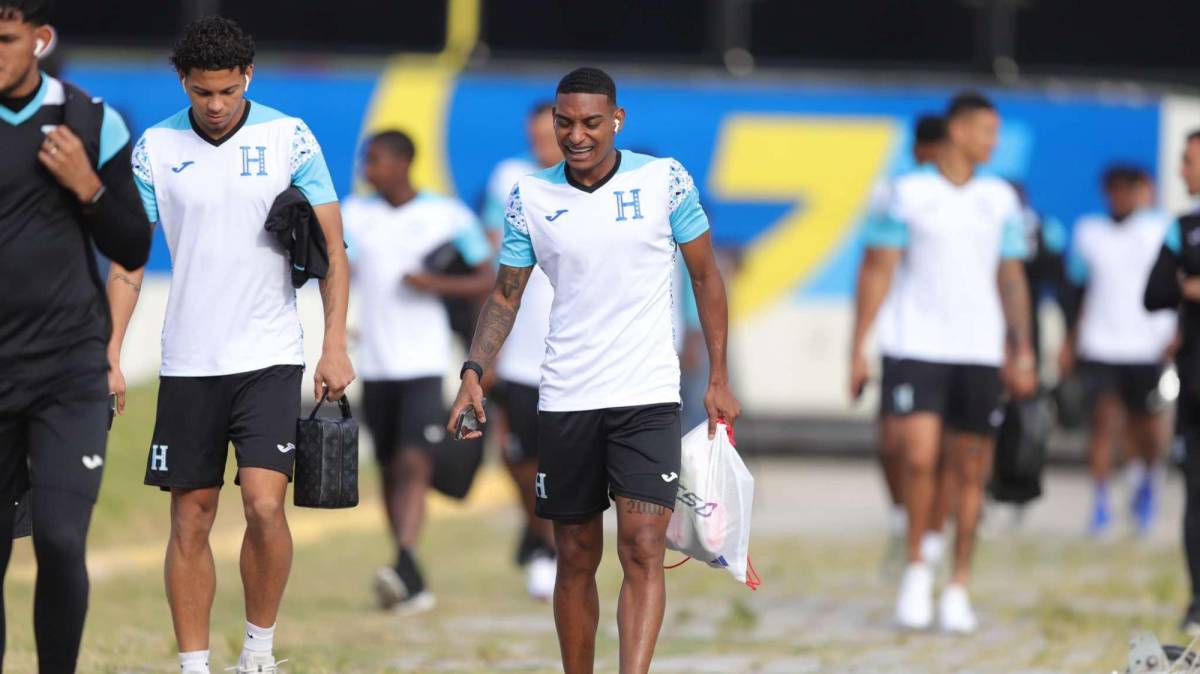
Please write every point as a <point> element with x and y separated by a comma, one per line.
<point>616,125</point>
<point>247,78</point>
<point>39,46</point>
<point>183,83</point>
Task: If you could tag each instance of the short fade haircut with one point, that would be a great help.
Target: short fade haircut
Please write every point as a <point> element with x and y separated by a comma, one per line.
<point>588,81</point>
<point>929,129</point>
<point>36,12</point>
<point>395,141</point>
<point>1122,175</point>
<point>213,43</point>
<point>966,102</point>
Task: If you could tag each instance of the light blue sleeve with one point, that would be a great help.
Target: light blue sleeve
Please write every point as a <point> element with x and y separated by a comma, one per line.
<point>493,214</point>
<point>1077,267</point>
<point>1174,239</point>
<point>309,171</point>
<point>688,220</point>
<point>143,177</point>
<point>1012,238</point>
<point>471,242</point>
<point>113,135</point>
<point>516,249</point>
<point>884,230</point>
<point>1054,235</point>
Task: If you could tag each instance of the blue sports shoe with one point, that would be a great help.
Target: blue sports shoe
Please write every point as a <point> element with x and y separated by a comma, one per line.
<point>1101,517</point>
<point>1144,505</point>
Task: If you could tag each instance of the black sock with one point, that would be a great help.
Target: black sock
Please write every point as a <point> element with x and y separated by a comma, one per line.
<point>527,546</point>
<point>410,573</point>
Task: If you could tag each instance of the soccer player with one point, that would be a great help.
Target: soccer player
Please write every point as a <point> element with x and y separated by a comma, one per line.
<point>1120,347</point>
<point>518,368</point>
<point>65,184</point>
<point>1174,283</point>
<point>232,356</point>
<point>961,321</point>
<point>405,338</point>
<point>929,137</point>
<point>605,225</point>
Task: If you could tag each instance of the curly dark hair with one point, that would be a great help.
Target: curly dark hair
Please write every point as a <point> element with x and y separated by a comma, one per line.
<point>213,43</point>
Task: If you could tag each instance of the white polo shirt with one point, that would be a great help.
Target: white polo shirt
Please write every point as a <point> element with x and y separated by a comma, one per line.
<point>945,302</point>
<point>232,307</point>
<point>609,252</point>
<point>404,332</point>
<point>1113,260</point>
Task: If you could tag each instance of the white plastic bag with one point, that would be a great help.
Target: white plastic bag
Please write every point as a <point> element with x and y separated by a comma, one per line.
<point>711,522</point>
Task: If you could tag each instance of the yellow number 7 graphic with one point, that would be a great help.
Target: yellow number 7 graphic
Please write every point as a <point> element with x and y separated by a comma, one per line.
<point>829,163</point>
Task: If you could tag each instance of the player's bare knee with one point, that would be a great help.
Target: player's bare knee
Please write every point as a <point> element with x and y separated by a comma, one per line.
<point>263,511</point>
<point>414,465</point>
<point>641,548</point>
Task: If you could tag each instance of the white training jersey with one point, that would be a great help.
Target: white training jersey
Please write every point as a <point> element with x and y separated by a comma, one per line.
<point>521,358</point>
<point>232,307</point>
<point>609,252</point>
<point>945,302</point>
<point>404,332</point>
<point>1113,260</point>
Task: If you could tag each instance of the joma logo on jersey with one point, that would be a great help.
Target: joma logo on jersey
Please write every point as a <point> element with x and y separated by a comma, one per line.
<point>634,202</point>
<point>259,158</point>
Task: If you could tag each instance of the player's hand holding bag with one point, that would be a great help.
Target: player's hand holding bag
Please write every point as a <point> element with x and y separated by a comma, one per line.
<point>711,521</point>
<point>327,459</point>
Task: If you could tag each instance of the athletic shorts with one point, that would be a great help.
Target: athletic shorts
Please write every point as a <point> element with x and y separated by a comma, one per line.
<point>520,405</point>
<point>886,381</point>
<point>54,418</point>
<point>1136,384</point>
<point>966,397</point>
<point>199,416</point>
<point>404,413</point>
<point>589,456</point>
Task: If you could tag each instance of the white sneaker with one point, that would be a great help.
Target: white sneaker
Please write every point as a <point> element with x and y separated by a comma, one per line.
<point>932,546</point>
<point>389,589</point>
<point>955,611</point>
<point>914,604</point>
<point>257,663</point>
<point>539,577</point>
<point>419,603</point>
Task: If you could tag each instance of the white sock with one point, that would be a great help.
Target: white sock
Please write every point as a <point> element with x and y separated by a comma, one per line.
<point>259,640</point>
<point>194,662</point>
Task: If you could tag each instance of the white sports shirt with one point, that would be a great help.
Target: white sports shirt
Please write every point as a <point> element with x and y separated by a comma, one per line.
<point>945,303</point>
<point>1113,260</point>
<point>521,358</point>
<point>231,307</point>
<point>405,333</point>
<point>609,251</point>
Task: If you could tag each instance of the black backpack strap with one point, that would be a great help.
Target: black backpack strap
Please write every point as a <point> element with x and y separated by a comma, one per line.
<point>84,115</point>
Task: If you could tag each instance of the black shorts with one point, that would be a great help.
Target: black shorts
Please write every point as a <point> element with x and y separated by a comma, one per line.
<point>966,397</point>
<point>887,379</point>
<point>404,413</point>
<point>54,416</point>
<point>199,416</point>
<point>586,457</point>
<point>520,405</point>
<point>1136,384</point>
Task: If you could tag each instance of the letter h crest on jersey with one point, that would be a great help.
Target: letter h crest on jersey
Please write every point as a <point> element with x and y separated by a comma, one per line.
<point>634,203</point>
<point>259,158</point>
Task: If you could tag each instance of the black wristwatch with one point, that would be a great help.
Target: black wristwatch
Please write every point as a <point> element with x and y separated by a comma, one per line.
<point>474,367</point>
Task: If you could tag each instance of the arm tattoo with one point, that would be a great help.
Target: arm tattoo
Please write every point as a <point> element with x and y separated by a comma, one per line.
<point>511,281</point>
<point>495,322</point>
<point>1014,299</point>
<point>137,288</point>
<point>635,507</point>
<point>326,295</point>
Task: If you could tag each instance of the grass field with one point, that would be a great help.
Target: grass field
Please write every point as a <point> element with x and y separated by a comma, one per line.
<point>1049,601</point>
